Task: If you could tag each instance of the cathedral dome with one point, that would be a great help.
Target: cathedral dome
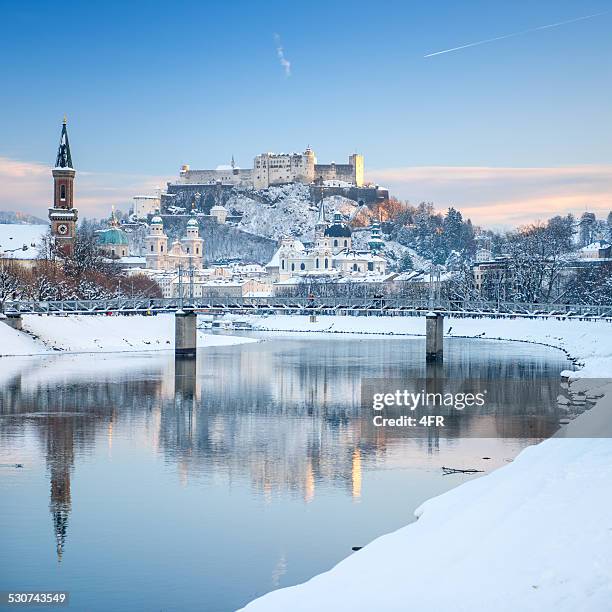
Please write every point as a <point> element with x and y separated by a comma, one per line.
<point>113,236</point>
<point>157,220</point>
<point>338,230</point>
<point>192,222</point>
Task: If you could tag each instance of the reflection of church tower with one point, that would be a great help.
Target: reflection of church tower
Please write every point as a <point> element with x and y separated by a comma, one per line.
<point>62,215</point>
<point>60,458</point>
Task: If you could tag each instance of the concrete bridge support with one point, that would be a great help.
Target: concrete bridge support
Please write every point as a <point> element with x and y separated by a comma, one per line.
<point>434,331</point>
<point>14,320</point>
<point>185,333</point>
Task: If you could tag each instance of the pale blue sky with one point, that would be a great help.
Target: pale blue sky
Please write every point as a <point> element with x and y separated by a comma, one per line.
<point>148,86</point>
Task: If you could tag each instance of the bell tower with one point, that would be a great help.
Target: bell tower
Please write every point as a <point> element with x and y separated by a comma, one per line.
<point>63,215</point>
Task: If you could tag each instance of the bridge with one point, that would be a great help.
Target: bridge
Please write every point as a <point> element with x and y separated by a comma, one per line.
<point>354,306</point>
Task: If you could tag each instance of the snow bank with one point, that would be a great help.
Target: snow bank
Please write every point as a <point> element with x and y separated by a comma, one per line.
<point>533,535</point>
<point>13,342</point>
<point>90,334</point>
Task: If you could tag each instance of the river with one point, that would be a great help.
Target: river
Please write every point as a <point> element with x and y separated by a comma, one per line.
<point>145,487</point>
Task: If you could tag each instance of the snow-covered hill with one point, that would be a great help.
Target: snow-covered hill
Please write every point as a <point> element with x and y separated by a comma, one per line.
<point>284,210</point>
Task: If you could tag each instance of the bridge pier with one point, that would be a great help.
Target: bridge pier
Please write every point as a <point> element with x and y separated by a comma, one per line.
<point>434,330</point>
<point>15,321</point>
<point>185,334</point>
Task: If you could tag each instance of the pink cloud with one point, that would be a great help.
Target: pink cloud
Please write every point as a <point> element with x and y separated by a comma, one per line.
<point>504,197</point>
<point>28,187</point>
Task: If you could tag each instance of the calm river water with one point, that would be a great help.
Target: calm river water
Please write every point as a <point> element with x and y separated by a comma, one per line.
<point>146,488</point>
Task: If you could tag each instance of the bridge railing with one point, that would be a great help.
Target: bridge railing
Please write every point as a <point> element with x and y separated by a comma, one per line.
<point>391,305</point>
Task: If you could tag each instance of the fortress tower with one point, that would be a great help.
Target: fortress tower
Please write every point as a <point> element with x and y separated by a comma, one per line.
<point>63,215</point>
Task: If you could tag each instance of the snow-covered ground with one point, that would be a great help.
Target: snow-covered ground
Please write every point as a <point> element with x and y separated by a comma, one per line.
<point>90,334</point>
<point>533,535</point>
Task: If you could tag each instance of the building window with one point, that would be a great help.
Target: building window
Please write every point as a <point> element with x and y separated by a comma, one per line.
<point>161,248</point>
<point>283,264</point>
<point>187,250</point>
<point>197,250</point>
<point>292,267</point>
<point>151,248</point>
<point>371,266</point>
<point>346,243</point>
<point>336,242</point>
<point>326,263</point>
<point>302,266</point>
<point>63,192</point>
<point>317,262</point>
<point>355,268</point>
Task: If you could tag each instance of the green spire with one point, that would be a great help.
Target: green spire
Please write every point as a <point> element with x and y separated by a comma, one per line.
<point>64,159</point>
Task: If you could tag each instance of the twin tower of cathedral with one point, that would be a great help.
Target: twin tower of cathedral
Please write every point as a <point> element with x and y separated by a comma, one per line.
<point>62,215</point>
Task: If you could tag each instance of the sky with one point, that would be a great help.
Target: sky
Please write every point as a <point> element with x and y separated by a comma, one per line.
<point>512,130</point>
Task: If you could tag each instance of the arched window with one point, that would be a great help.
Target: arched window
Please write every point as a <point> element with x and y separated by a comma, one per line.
<point>292,267</point>
<point>197,250</point>
<point>336,242</point>
<point>326,263</point>
<point>187,250</point>
<point>161,248</point>
<point>283,264</point>
<point>355,268</point>
<point>346,243</point>
<point>63,192</point>
<point>302,266</point>
<point>112,251</point>
<point>317,263</point>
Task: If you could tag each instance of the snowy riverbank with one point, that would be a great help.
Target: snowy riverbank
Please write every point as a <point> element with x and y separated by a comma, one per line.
<point>94,334</point>
<point>533,535</point>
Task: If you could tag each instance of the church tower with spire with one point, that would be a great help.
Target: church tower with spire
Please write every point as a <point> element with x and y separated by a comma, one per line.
<point>63,215</point>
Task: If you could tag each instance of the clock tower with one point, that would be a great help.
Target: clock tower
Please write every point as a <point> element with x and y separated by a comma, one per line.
<point>63,215</point>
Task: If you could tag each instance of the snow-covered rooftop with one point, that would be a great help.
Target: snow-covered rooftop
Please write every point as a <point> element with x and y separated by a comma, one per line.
<point>595,246</point>
<point>13,236</point>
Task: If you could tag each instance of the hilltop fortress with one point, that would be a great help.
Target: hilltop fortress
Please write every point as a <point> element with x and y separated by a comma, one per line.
<point>278,169</point>
<point>211,190</point>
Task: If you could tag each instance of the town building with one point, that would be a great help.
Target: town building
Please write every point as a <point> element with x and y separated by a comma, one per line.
<point>145,205</point>
<point>596,250</point>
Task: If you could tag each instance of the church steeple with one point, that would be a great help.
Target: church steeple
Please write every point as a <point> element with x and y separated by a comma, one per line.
<point>62,215</point>
<point>64,159</point>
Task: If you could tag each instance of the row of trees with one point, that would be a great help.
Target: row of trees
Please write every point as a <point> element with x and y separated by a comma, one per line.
<point>84,275</point>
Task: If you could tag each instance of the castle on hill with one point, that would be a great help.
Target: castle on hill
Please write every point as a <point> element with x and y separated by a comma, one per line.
<point>277,169</point>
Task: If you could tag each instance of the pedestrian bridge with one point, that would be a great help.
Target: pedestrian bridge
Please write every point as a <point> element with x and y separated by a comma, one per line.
<point>364,306</point>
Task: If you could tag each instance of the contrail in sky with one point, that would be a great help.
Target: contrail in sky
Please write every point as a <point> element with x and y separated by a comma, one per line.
<point>543,27</point>
<point>280,52</point>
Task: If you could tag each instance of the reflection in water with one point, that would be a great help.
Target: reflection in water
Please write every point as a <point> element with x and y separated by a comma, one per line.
<point>278,421</point>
